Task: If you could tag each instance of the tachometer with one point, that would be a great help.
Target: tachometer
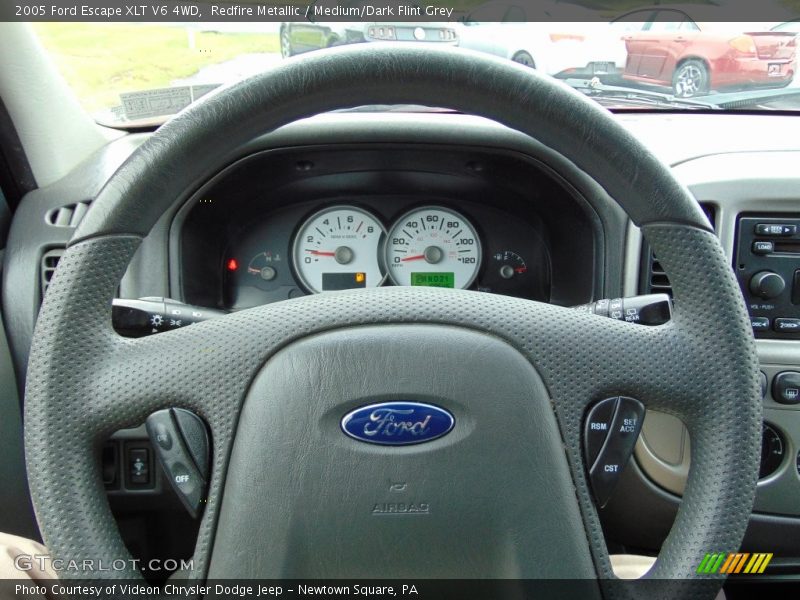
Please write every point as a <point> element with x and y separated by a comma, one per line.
<point>433,246</point>
<point>338,248</point>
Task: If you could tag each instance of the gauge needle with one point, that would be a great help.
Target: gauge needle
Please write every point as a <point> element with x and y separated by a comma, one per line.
<point>321,253</point>
<point>417,257</point>
<point>521,269</point>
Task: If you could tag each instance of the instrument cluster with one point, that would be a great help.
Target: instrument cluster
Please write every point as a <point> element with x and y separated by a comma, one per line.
<point>345,245</point>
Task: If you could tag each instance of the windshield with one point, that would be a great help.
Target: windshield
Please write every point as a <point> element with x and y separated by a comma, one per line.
<point>648,57</point>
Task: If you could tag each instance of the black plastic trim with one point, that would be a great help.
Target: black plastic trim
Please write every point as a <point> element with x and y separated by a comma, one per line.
<point>16,175</point>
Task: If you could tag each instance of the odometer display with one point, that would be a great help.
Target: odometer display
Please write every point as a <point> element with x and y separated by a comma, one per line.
<point>446,280</point>
<point>433,246</point>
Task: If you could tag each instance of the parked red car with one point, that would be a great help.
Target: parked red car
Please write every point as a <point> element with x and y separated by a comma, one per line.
<point>694,58</point>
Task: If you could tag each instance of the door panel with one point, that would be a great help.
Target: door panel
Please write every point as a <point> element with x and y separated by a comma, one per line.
<point>16,512</point>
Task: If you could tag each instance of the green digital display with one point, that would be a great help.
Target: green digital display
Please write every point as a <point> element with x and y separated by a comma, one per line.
<point>445,280</point>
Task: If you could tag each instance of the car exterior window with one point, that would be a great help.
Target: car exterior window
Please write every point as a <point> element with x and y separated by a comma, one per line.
<point>639,20</point>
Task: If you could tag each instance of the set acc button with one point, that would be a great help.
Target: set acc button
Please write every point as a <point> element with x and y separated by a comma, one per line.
<point>610,433</point>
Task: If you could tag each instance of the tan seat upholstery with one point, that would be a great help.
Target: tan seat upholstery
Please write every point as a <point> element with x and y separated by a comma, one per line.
<point>20,552</point>
<point>631,566</point>
<point>634,566</point>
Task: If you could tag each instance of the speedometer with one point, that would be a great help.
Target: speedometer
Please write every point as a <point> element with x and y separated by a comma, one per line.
<point>338,248</point>
<point>433,246</point>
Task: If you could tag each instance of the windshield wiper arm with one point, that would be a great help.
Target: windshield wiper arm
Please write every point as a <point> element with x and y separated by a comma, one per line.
<point>740,100</point>
<point>594,89</point>
<point>714,101</point>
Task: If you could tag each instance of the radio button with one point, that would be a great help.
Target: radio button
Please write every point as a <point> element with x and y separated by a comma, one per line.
<point>775,229</point>
<point>763,247</point>
<point>787,325</point>
<point>766,284</point>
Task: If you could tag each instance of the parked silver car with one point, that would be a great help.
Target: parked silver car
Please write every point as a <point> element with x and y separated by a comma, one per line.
<point>318,31</point>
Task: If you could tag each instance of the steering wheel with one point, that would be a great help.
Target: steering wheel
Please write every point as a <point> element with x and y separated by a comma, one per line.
<point>290,494</point>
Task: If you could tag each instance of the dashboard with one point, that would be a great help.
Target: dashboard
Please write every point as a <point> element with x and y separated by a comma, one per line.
<point>339,201</point>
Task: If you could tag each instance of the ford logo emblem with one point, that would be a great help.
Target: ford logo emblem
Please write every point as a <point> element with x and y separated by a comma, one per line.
<point>397,423</point>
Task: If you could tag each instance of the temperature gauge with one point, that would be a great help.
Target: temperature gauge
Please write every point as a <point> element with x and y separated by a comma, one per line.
<point>264,265</point>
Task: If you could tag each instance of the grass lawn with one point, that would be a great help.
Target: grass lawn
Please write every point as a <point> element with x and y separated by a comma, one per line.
<point>100,60</point>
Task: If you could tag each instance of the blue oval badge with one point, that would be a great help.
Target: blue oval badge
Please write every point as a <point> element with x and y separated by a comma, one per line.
<point>397,423</point>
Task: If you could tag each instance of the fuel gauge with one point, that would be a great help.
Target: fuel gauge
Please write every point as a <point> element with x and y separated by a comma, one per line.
<point>509,264</point>
<point>511,273</point>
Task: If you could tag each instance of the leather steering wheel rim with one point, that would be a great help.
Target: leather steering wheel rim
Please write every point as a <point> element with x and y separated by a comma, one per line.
<point>84,381</point>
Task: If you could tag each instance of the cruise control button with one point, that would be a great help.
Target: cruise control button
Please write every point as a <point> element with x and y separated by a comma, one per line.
<point>162,436</point>
<point>628,420</point>
<point>784,325</point>
<point>759,323</point>
<point>596,429</point>
<point>182,450</point>
<point>786,387</point>
<point>184,479</point>
<point>617,450</point>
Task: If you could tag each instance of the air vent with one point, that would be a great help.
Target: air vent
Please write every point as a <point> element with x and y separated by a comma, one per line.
<point>67,216</point>
<point>653,278</point>
<point>48,267</point>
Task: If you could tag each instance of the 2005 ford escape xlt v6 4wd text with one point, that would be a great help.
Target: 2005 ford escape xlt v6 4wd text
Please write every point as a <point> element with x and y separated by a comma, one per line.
<point>400,317</point>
